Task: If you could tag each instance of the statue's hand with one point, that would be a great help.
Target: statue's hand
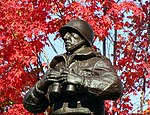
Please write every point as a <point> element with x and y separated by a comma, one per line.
<point>54,76</point>
<point>49,78</point>
<point>72,78</point>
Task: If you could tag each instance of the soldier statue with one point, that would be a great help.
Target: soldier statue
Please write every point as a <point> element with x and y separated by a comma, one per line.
<point>78,81</point>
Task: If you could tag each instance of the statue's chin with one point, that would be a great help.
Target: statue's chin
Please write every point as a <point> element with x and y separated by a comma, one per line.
<point>70,49</point>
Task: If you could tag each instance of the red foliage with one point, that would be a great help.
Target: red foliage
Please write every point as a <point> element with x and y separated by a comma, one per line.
<point>24,29</point>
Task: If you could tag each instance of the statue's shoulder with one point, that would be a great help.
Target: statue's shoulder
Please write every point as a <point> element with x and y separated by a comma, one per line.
<point>103,61</point>
<point>57,59</point>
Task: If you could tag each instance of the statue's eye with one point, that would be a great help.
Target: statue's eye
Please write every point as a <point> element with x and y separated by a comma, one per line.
<point>75,35</point>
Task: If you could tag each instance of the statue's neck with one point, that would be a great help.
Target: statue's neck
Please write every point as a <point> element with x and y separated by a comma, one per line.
<point>80,49</point>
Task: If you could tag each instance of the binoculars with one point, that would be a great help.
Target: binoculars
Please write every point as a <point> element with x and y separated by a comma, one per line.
<point>56,89</point>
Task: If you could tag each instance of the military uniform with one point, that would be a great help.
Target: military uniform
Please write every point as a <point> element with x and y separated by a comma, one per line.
<point>90,79</point>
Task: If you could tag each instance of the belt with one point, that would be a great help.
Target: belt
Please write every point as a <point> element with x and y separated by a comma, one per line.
<point>65,110</point>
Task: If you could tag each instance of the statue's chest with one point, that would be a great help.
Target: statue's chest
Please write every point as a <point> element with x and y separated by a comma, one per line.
<point>82,67</point>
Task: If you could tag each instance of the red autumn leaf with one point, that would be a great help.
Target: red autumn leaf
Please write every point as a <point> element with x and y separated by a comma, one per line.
<point>24,29</point>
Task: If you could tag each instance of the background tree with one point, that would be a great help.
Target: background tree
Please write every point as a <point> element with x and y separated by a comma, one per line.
<point>25,25</point>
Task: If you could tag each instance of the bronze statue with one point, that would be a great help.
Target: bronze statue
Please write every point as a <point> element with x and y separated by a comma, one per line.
<point>78,81</point>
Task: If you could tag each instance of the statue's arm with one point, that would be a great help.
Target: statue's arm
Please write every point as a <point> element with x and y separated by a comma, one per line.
<point>35,100</point>
<point>101,81</point>
<point>104,81</point>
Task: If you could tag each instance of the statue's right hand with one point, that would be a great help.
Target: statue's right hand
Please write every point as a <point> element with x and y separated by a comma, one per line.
<point>49,78</point>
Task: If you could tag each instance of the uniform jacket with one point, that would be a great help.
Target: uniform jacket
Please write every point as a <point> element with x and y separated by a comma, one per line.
<point>99,82</point>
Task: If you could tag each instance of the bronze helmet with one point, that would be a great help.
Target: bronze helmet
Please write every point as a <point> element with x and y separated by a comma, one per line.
<point>80,26</point>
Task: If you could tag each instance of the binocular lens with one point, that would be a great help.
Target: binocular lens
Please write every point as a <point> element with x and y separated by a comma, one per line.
<point>55,90</point>
<point>70,89</point>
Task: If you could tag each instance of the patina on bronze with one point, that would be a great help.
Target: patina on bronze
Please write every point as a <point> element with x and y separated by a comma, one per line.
<point>78,81</point>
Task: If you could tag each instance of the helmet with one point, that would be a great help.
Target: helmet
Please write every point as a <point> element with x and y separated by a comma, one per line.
<point>82,27</point>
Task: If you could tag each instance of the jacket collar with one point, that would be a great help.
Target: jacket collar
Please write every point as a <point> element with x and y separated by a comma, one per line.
<point>83,54</point>
<point>85,51</point>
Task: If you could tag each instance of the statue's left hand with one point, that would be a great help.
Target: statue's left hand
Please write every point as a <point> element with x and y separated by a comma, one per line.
<point>72,78</point>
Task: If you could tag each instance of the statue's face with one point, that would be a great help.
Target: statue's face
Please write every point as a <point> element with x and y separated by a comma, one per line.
<point>71,39</point>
